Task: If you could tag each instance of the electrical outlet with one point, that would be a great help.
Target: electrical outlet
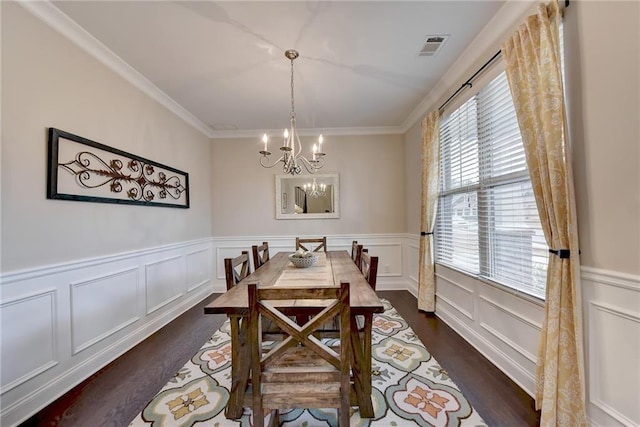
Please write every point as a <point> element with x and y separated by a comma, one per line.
<point>387,269</point>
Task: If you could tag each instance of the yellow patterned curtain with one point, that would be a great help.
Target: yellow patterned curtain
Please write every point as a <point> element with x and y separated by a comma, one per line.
<point>532,57</point>
<point>430,182</point>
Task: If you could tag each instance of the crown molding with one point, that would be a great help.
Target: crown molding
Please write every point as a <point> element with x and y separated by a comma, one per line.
<point>380,130</point>
<point>488,41</point>
<point>56,19</point>
<point>491,36</point>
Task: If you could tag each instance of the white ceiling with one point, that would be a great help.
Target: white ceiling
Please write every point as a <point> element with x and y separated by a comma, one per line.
<point>224,61</point>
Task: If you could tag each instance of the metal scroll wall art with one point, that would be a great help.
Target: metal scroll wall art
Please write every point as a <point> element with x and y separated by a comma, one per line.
<point>84,170</point>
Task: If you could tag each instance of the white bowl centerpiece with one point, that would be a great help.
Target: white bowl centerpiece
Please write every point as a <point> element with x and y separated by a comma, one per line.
<point>303,259</point>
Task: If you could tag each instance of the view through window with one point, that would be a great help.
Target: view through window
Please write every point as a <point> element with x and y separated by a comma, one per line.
<point>487,222</point>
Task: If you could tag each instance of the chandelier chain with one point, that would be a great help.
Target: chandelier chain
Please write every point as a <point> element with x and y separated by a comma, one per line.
<point>293,111</point>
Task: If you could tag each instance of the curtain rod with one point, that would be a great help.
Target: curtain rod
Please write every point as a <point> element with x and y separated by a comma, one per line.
<point>469,81</point>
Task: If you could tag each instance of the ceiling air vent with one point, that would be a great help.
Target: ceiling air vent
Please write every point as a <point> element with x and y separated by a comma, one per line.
<point>432,45</point>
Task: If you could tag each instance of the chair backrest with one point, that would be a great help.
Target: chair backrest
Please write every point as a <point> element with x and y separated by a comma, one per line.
<point>369,268</point>
<point>301,371</point>
<point>232,273</point>
<point>320,244</point>
<point>260,254</point>
<point>354,249</point>
<point>356,255</point>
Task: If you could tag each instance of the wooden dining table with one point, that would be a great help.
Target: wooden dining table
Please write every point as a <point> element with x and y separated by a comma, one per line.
<point>332,268</point>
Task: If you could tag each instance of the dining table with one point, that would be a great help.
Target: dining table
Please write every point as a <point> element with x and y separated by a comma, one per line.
<point>330,269</point>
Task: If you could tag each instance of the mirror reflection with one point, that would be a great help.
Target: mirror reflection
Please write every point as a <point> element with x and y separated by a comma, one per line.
<point>307,196</point>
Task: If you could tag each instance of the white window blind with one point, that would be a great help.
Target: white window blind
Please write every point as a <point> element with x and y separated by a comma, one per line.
<point>487,222</point>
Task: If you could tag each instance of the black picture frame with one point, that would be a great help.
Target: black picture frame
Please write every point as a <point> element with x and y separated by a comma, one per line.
<point>99,173</point>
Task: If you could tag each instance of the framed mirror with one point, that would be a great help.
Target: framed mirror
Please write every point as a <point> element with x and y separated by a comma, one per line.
<point>307,196</point>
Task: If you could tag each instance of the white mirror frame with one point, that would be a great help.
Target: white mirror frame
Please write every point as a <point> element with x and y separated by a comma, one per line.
<point>336,197</point>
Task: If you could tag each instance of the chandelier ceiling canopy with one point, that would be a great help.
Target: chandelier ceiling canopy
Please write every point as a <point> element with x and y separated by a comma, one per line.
<point>292,158</point>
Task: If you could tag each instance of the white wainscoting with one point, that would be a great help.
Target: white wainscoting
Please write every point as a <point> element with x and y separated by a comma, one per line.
<point>611,309</point>
<point>60,324</point>
<point>390,248</point>
<point>506,327</point>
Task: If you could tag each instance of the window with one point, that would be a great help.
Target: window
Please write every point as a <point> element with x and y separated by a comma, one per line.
<point>487,223</point>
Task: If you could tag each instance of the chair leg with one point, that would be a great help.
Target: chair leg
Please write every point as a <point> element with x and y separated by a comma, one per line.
<point>258,415</point>
<point>343,417</point>
<point>258,420</point>
<point>274,421</point>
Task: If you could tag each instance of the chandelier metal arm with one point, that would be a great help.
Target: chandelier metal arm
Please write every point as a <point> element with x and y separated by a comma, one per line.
<point>265,156</point>
<point>311,166</point>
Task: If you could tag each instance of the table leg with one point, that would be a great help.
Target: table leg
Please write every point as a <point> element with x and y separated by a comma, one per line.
<point>366,356</point>
<point>240,366</point>
<point>361,365</point>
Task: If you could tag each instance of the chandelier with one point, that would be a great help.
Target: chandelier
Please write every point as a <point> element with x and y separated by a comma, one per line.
<point>314,189</point>
<point>292,158</point>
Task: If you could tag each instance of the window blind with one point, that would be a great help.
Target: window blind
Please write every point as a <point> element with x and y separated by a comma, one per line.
<point>487,222</point>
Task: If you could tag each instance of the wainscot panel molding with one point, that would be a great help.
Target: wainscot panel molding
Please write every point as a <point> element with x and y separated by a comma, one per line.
<point>500,325</point>
<point>82,315</point>
<point>103,306</point>
<point>390,248</point>
<point>37,311</point>
<point>50,305</point>
<point>165,282</point>
<point>505,328</point>
<point>411,262</point>
<point>611,312</point>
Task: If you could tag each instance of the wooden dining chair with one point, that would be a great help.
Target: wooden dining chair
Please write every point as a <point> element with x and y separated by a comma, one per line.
<point>260,254</point>
<point>301,371</point>
<point>236,269</point>
<point>232,274</point>
<point>369,268</point>
<point>317,244</point>
<point>354,248</point>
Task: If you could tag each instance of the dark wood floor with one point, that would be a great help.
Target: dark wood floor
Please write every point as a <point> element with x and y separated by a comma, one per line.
<point>117,393</point>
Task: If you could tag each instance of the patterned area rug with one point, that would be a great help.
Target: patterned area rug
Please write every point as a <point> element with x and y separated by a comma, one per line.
<point>409,387</point>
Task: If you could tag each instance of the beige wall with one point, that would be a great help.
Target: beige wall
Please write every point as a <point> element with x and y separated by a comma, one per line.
<point>371,188</point>
<point>49,82</point>
<point>413,187</point>
<point>603,88</point>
